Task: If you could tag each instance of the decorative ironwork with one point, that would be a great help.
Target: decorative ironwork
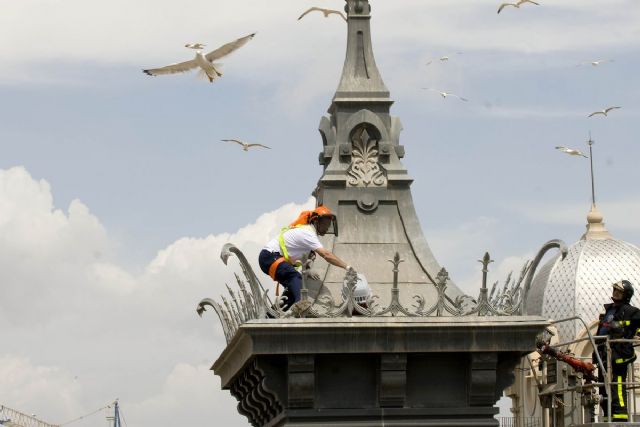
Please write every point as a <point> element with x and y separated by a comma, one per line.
<point>251,301</point>
<point>365,168</point>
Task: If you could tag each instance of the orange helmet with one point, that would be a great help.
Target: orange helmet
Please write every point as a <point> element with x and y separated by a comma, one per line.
<point>322,212</point>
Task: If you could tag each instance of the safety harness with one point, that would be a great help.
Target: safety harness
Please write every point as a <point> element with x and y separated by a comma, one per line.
<point>285,255</point>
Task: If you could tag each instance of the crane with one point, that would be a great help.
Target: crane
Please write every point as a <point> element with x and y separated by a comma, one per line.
<point>12,418</point>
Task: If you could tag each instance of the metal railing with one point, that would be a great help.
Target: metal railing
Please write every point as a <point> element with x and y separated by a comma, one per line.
<point>524,422</point>
<point>250,301</point>
<point>607,383</point>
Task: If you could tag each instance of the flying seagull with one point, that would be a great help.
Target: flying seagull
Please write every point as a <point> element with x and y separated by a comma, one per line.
<point>571,151</point>
<point>443,58</point>
<point>326,12</point>
<point>197,46</point>
<point>596,63</point>
<point>244,145</point>
<point>445,94</point>
<point>204,62</point>
<point>604,112</point>
<point>516,5</point>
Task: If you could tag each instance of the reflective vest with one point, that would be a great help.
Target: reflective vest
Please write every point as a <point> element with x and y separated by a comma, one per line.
<point>283,251</point>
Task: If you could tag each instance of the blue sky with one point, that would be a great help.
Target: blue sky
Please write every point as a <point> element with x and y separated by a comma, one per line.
<point>115,190</point>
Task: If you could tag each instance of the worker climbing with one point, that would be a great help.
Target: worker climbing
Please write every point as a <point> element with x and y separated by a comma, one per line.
<point>281,257</point>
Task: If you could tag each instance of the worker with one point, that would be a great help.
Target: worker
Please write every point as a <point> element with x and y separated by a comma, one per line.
<point>620,320</point>
<point>281,255</point>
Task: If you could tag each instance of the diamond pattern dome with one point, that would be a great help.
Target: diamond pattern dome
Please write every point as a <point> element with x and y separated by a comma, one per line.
<point>580,284</point>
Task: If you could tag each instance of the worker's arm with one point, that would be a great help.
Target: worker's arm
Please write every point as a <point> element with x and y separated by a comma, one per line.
<point>331,258</point>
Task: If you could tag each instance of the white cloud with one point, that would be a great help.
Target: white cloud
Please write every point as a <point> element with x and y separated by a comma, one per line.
<point>48,392</point>
<point>79,330</point>
<point>187,389</point>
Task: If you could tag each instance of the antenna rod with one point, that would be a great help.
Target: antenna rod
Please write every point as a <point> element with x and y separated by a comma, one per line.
<point>593,186</point>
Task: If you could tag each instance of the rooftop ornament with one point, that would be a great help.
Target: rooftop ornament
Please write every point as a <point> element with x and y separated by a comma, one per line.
<point>251,301</point>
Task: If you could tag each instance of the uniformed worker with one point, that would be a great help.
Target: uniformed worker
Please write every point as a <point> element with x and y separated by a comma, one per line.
<point>620,320</point>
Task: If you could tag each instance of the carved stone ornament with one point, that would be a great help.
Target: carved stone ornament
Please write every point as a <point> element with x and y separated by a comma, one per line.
<point>365,169</point>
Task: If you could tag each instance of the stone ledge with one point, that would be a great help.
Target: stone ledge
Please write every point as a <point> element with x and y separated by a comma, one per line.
<point>360,335</point>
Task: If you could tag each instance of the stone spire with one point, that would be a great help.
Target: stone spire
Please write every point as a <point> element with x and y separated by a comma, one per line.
<point>363,178</point>
<point>360,76</point>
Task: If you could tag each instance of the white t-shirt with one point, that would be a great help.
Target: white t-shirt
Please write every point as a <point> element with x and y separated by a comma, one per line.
<point>298,241</point>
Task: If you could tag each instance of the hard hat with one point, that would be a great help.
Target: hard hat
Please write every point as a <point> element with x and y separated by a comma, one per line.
<point>362,291</point>
<point>324,212</point>
<point>626,288</point>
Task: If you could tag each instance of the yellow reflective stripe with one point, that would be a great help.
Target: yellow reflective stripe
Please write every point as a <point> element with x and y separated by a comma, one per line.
<point>620,396</point>
<point>624,360</point>
<point>283,247</point>
<point>620,416</point>
<point>625,322</point>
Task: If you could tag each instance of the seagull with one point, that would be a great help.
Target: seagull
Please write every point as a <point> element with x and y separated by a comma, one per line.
<point>571,151</point>
<point>516,5</point>
<point>596,63</point>
<point>326,12</point>
<point>204,62</point>
<point>443,58</point>
<point>244,145</point>
<point>603,112</point>
<point>196,46</point>
<point>445,94</point>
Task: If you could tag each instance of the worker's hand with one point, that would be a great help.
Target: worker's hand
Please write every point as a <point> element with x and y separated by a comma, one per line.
<point>351,269</point>
<point>313,275</point>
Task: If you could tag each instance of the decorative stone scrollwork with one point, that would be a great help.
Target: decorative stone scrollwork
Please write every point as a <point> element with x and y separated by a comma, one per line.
<point>365,169</point>
<point>251,302</point>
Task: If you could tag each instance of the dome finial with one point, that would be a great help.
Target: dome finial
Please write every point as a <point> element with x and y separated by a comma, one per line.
<point>595,226</point>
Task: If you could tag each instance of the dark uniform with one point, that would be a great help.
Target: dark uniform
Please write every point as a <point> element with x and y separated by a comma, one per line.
<point>620,320</point>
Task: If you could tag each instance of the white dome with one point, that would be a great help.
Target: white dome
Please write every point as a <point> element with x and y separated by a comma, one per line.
<point>580,284</point>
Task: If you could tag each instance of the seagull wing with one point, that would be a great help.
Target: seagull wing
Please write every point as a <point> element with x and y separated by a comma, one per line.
<point>503,5</point>
<point>561,148</point>
<point>597,112</point>
<point>606,110</point>
<point>173,68</point>
<point>311,9</point>
<point>337,12</point>
<point>459,97</point>
<point>226,49</point>
<point>258,145</point>
<point>528,1</point>
<point>234,140</point>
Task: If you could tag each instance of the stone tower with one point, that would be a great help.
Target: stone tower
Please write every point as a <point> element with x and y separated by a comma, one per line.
<point>405,364</point>
<point>364,180</point>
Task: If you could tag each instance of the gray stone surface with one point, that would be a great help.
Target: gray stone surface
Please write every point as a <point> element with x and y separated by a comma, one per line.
<point>371,372</point>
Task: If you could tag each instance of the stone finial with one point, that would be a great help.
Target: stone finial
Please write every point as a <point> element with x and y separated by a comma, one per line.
<point>595,226</point>
<point>360,79</point>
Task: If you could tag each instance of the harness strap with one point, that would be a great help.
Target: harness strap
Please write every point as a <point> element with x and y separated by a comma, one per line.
<point>285,256</point>
<point>274,266</point>
<point>283,247</point>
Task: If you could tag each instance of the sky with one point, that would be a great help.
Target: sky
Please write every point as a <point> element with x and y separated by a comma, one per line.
<point>116,195</point>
